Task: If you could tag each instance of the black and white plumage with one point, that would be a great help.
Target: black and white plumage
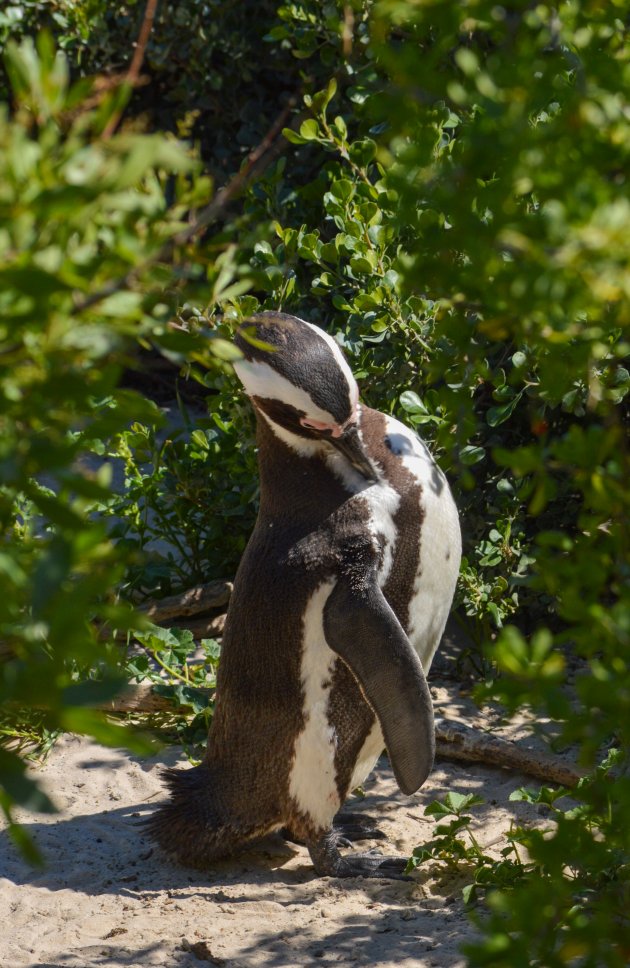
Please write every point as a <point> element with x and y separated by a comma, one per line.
<point>339,604</point>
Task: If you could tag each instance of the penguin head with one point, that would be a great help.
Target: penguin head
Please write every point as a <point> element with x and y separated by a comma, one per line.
<point>299,380</point>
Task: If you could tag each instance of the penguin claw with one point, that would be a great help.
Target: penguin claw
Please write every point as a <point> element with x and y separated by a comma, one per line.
<point>328,862</point>
<point>371,865</point>
<point>348,828</point>
<point>385,868</point>
<point>355,826</point>
<point>346,834</point>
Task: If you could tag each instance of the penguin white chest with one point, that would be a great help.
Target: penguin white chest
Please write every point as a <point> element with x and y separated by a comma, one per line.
<point>440,543</point>
<point>382,503</point>
<point>379,502</point>
<point>312,783</point>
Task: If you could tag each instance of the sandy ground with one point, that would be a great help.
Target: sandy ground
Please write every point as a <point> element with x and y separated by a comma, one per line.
<point>107,898</point>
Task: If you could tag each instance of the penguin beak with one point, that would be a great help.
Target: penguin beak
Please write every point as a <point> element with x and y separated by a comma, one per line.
<point>351,446</point>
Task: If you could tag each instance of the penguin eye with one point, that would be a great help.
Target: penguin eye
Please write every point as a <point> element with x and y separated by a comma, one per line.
<point>325,429</point>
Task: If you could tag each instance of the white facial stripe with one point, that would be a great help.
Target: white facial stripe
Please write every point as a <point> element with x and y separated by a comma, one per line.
<point>333,345</point>
<point>261,380</point>
<point>301,445</point>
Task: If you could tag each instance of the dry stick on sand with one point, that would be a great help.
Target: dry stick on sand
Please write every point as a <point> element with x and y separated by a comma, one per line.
<point>454,740</point>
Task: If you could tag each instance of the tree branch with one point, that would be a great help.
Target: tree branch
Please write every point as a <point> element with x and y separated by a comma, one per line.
<point>133,73</point>
<point>264,152</point>
<point>193,601</point>
<point>456,741</point>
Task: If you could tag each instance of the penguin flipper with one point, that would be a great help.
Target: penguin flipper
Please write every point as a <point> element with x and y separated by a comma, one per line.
<point>363,630</point>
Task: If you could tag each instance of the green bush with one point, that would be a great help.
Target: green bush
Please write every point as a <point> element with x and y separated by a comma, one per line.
<point>452,204</point>
<point>199,59</point>
<point>508,146</point>
<point>189,500</point>
<point>79,216</point>
<point>456,212</point>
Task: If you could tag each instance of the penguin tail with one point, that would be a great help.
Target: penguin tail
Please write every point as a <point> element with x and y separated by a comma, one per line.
<point>190,826</point>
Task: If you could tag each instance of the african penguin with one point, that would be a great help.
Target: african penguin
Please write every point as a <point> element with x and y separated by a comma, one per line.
<point>339,604</point>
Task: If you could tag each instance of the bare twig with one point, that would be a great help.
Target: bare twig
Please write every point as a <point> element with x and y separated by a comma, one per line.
<point>235,185</point>
<point>143,37</point>
<point>266,151</point>
<point>133,73</point>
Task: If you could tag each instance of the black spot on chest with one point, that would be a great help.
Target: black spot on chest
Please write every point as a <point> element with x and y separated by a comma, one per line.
<point>399,445</point>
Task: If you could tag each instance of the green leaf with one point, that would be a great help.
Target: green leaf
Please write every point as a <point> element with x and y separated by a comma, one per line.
<point>92,692</point>
<point>309,130</point>
<point>183,695</point>
<point>471,455</point>
<point>363,152</point>
<point>363,264</point>
<point>33,282</point>
<point>453,803</point>
<point>25,844</point>
<point>469,893</point>
<point>309,247</point>
<point>467,60</point>
<point>199,438</point>
<point>412,403</point>
<point>52,569</point>
<point>524,795</point>
<point>222,349</point>
<point>437,809</point>
<point>212,649</point>
<point>320,101</point>
<point>340,127</point>
<point>498,415</point>
<point>20,787</point>
<point>342,188</point>
<point>90,722</point>
<point>293,137</point>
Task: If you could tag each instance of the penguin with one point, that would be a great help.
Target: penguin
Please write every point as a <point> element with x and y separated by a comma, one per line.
<point>338,607</point>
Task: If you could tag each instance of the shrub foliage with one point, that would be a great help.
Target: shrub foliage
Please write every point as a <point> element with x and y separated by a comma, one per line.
<point>451,202</point>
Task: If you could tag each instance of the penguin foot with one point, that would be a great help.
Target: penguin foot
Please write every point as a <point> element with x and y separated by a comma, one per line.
<point>349,827</point>
<point>328,862</point>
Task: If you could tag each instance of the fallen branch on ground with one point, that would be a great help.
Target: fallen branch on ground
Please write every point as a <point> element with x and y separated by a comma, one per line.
<point>183,611</point>
<point>454,740</point>
<point>457,741</point>
<point>202,628</point>
<point>193,601</point>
